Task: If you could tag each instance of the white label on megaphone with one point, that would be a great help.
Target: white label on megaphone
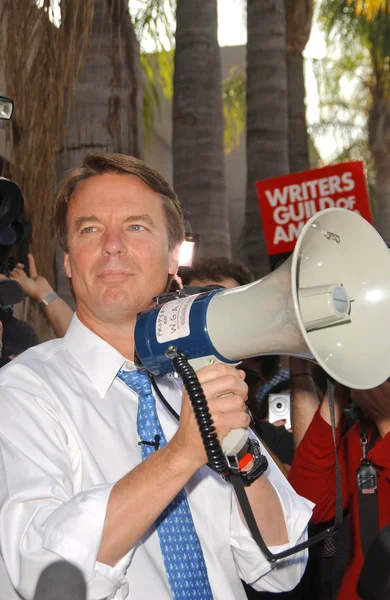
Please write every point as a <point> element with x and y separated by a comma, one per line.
<point>173,319</point>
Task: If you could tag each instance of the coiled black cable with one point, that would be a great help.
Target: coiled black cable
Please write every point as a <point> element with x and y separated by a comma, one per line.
<point>215,456</point>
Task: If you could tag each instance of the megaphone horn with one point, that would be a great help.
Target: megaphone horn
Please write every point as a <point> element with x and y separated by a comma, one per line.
<point>329,302</point>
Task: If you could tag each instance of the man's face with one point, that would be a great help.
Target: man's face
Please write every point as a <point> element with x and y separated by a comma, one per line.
<point>118,255</point>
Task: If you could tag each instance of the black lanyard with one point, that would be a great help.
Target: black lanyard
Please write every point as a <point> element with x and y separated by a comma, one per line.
<point>246,507</point>
<point>367,486</point>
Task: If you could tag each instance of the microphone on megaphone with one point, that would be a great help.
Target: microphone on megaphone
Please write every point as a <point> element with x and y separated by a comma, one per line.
<point>329,302</point>
<point>61,581</point>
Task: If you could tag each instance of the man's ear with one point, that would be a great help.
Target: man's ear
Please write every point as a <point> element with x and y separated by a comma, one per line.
<point>67,268</point>
<point>174,260</point>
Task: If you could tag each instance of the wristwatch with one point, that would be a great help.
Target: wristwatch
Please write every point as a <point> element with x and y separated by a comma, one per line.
<point>259,467</point>
<point>48,299</point>
<point>260,464</point>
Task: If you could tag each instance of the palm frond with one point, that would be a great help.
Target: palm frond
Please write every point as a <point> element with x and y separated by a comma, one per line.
<point>234,108</point>
<point>157,82</point>
<point>154,24</point>
<point>370,8</point>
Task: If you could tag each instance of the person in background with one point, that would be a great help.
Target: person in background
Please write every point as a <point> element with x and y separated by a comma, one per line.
<point>313,469</point>
<point>216,270</point>
<point>36,287</point>
<point>16,337</point>
<point>275,434</point>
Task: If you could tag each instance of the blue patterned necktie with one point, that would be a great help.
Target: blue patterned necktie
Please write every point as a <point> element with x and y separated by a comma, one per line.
<point>179,542</point>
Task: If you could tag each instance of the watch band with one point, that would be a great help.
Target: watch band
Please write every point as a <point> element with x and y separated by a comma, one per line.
<point>48,299</point>
<point>260,464</point>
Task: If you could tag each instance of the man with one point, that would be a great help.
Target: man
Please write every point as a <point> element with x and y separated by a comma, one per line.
<point>74,484</point>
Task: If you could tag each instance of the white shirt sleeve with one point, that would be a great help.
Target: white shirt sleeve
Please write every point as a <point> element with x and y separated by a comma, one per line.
<point>44,513</point>
<point>251,563</point>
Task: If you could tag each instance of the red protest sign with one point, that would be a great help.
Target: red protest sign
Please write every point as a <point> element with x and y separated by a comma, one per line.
<point>287,202</point>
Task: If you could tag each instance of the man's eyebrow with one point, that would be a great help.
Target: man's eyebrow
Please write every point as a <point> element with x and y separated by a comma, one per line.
<point>145,218</point>
<point>82,220</point>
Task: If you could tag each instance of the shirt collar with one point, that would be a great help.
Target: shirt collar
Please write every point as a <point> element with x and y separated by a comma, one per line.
<point>100,361</point>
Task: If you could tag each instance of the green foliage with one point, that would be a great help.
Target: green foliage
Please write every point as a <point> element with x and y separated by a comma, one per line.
<point>155,30</point>
<point>359,150</point>
<point>354,78</point>
<point>361,41</point>
<point>370,8</point>
<point>234,108</point>
<point>153,23</point>
<point>341,113</point>
<point>157,79</point>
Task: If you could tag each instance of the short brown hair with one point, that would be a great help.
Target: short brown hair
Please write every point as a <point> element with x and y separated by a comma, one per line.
<point>95,164</point>
<point>216,268</point>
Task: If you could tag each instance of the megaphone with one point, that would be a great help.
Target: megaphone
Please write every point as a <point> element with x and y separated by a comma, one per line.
<point>329,302</point>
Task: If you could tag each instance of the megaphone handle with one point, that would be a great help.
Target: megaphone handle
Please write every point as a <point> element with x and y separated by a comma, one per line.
<point>234,441</point>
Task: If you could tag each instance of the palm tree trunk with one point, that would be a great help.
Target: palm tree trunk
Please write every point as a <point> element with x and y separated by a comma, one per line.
<point>107,112</point>
<point>198,155</point>
<point>298,149</point>
<point>106,115</point>
<point>267,124</point>
<point>299,15</point>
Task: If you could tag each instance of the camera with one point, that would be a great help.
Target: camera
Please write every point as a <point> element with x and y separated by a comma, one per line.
<point>14,229</point>
<point>6,107</point>
<point>279,408</point>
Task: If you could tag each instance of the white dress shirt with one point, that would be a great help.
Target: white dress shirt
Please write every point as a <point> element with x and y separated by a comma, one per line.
<point>67,435</point>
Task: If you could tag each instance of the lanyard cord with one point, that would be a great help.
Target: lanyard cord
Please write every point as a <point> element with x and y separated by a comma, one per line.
<point>243,498</point>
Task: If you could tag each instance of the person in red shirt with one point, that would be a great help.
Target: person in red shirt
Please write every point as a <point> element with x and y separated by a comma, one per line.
<point>313,470</point>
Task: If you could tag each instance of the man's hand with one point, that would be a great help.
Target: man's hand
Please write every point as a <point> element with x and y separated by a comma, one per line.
<point>35,286</point>
<point>226,393</point>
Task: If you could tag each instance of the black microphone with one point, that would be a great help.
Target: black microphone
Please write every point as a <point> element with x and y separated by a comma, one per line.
<point>61,581</point>
<point>11,292</point>
<point>155,444</point>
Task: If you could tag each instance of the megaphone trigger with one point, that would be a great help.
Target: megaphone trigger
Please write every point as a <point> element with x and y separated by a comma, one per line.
<point>235,440</point>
